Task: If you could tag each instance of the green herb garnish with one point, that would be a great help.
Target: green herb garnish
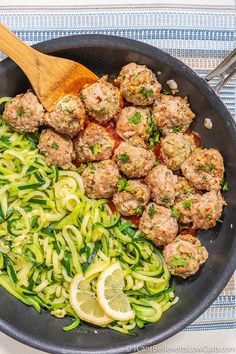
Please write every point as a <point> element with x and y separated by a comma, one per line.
<point>151,211</point>
<point>54,146</point>
<point>20,112</point>
<point>225,186</point>
<point>139,211</point>
<point>146,92</point>
<point>82,96</point>
<point>123,185</point>
<point>91,166</point>
<point>95,148</point>
<point>177,128</point>
<point>179,261</point>
<point>175,213</point>
<point>124,158</point>
<point>135,119</point>
<point>165,199</point>
<point>187,203</point>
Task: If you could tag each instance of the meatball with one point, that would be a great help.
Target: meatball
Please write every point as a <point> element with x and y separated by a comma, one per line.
<point>161,182</point>
<point>158,225</point>
<point>94,143</point>
<point>100,179</point>
<point>134,160</point>
<point>172,114</point>
<point>184,189</point>
<point>175,148</point>
<point>184,255</point>
<point>204,168</point>
<point>102,100</point>
<point>183,208</point>
<point>133,121</point>
<point>132,200</point>
<point>24,113</point>
<point>138,84</point>
<point>57,148</point>
<point>67,115</point>
<point>207,210</point>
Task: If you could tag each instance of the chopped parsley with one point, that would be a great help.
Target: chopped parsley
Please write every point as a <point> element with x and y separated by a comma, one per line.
<point>220,221</point>
<point>146,92</point>
<point>165,199</point>
<point>175,213</point>
<point>177,128</point>
<point>207,168</point>
<point>208,217</point>
<point>91,166</point>
<point>139,211</point>
<point>135,119</point>
<point>88,111</point>
<point>95,148</point>
<point>82,96</point>
<point>151,211</point>
<point>179,261</point>
<point>102,110</point>
<point>124,158</point>
<point>153,131</point>
<point>54,146</point>
<point>80,170</point>
<point>187,203</point>
<point>166,92</point>
<point>123,185</point>
<point>20,112</point>
<point>225,185</point>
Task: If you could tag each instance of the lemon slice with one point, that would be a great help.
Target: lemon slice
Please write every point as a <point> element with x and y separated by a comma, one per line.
<point>84,302</point>
<point>110,294</point>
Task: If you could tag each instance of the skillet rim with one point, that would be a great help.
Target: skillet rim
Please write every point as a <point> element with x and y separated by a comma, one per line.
<point>101,40</point>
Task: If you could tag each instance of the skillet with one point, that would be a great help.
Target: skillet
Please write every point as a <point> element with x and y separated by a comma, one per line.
<point>107,54</point>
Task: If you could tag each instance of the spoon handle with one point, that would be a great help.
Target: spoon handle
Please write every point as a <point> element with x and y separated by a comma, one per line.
<point>24,56</point>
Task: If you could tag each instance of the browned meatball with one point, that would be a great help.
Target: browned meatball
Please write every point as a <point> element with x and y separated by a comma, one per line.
<point>134,161</point>
<point>57,148</point>
<point>161,182</point>
<point>100,179</point>
<point>175,148</point>
<point>102,100</point>
<point>183,208</point>
<point>184,256</point>
<point>184,189</point>
<point>207,210</point>
<point>133,121</point>
<point>138,84</point>
<point>172,114</point>
<point>24,113</point>
<point>204,169</point>
<point>158,225</point>
<point>67,115</point>
<point>94,143</point>
<point>132,200</point>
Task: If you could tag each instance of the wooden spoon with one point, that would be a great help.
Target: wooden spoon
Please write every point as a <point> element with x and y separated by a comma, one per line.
<point>50,77</point>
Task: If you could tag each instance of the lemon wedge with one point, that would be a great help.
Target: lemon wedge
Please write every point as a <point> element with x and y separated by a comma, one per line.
<point>85,304</point>
<point>110,294</point>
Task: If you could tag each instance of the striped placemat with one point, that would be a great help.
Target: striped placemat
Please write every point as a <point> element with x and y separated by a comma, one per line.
<point>201,36</point>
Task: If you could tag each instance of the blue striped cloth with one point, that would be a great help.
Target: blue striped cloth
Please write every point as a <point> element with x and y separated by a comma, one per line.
<point>200,36</point>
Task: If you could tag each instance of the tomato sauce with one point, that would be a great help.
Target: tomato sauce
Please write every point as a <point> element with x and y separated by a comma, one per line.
<point>133,218</point>
<point>189,231</point>
<point>112,206</point>
<point>111,128</point>
<point>157,151</point>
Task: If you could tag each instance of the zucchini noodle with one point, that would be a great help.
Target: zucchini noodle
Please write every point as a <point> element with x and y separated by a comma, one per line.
<point>50,231</point>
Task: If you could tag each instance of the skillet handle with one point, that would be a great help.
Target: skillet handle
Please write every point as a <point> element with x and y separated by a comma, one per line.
<point>224,71</point>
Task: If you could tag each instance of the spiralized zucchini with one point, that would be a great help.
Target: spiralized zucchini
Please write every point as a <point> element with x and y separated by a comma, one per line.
<point>50,231</point>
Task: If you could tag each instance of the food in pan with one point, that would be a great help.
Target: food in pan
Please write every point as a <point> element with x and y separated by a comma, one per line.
<point>101,199</point>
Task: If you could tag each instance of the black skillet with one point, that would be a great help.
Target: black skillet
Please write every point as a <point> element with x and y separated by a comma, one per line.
<point>107,54</point>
